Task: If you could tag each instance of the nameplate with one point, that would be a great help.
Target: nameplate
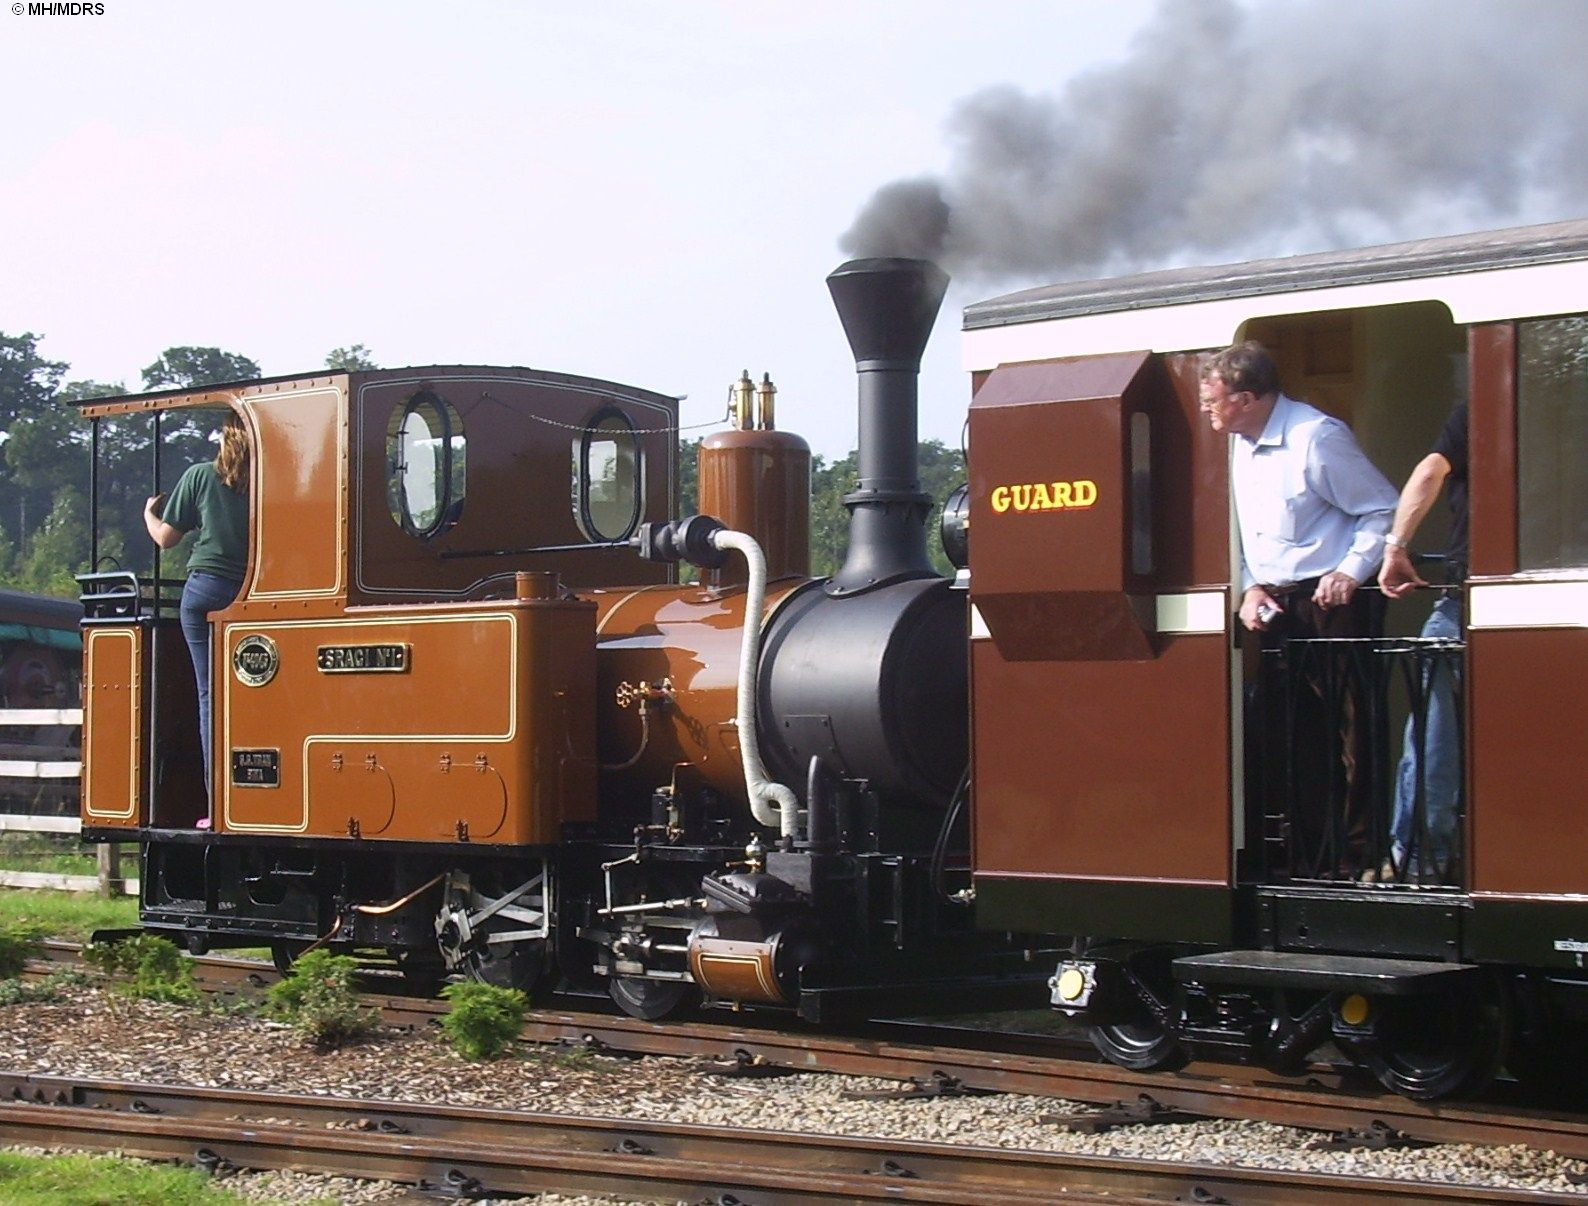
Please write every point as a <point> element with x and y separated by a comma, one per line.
<point>362,659</point>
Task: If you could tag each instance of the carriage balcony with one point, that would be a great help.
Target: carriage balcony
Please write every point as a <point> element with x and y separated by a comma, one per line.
<point>1331,798</point>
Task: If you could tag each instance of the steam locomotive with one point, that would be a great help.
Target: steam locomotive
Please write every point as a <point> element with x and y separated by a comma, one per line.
<point>467,714</point>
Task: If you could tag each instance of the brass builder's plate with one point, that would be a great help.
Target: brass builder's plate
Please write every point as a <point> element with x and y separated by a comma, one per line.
<point>256,768</point>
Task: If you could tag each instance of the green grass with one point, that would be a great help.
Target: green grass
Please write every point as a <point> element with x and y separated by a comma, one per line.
<point>59,853</point>
<point>69,916</point>
<point>104,1181</point>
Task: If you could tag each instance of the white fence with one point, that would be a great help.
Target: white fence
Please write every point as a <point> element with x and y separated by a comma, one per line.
<point>30,767</point>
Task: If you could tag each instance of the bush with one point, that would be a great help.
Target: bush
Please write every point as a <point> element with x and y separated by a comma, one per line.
<point>484,1018</point>
<point>19,942</point>
<point>319,998</point>
<point>152,968</point>
<point>20,992</point>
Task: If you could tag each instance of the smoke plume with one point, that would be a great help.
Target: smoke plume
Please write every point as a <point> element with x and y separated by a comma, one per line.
<point>1234,130</point>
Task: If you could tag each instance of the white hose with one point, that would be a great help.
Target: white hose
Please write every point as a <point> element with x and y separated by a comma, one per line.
<point>770,803</point>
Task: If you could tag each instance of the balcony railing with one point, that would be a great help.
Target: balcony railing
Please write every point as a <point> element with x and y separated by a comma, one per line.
<point>1331,794</point>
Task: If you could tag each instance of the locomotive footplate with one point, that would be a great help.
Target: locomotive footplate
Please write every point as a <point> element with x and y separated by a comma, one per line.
<point>1322,973</point>
<point>995,990</point>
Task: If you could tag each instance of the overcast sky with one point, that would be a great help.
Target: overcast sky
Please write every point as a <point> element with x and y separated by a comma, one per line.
<point>646,192</point>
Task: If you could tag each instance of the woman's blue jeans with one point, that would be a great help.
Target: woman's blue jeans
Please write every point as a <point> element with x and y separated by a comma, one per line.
<point>204,593</point>
<point>1439,759</point>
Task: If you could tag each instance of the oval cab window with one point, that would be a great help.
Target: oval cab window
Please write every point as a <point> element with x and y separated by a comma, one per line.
<point>426,455</point>
<point>607,477</point>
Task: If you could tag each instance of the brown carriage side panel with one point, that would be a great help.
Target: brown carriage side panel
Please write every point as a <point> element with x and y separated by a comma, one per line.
<point>1492,441</point>
<point>1091,768</point>
<point>1527,823</point>
<point>1104,770</point>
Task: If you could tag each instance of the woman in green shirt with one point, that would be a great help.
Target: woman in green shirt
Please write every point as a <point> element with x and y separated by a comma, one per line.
<point>211,499</point>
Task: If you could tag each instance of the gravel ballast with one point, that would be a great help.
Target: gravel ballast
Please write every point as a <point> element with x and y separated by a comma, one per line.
<point>98,1034</point>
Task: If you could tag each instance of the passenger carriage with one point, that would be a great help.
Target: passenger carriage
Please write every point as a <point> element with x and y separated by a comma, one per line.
<point>1151,818</point>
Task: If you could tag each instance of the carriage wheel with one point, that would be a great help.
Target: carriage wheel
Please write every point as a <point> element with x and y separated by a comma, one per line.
<point>1141,1044</point>
<point>1436,1045</point>
<point>1133,1036</point>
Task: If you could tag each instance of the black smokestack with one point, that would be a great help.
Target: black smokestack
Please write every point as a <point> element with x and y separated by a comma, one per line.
<point>887,307</point>
<point>1236,130</point>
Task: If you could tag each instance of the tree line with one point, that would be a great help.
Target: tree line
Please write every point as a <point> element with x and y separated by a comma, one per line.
<point>941,470</point>
<point>45,450</point>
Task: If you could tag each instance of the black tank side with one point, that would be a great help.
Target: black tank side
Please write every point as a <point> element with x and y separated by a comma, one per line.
<point>875,683</point>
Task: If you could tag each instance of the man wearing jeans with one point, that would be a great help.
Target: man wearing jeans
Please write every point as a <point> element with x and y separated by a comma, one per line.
<point>1436,759</point>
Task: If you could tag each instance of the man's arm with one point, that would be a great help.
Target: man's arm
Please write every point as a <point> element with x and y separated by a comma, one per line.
<point>1343,476</point>
<point>1398,575</point>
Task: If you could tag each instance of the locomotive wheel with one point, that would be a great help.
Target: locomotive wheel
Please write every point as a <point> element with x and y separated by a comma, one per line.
<point>518,965</point>
<point>285,954</point>
<point>1433,1046</point>
<point>648,1000</point>
<point>473,926</point>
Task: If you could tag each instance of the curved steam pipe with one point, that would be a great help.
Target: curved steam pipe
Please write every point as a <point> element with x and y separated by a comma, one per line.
<point>771,803</point>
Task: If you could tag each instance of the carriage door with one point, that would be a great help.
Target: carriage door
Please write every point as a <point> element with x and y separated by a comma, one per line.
<point>1528,633</point>
<point>1099,554</point>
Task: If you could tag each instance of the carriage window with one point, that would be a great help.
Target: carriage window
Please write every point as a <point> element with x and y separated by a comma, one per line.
<point>606,474</point>
<point>1140,493</point>
<point>426,455</point>
<point>1552,443</point>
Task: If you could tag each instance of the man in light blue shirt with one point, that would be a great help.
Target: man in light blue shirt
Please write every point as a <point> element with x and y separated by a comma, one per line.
<point>1312,511</point>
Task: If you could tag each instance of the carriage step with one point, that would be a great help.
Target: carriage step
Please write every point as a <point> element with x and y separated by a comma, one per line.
<point>1322,972</point>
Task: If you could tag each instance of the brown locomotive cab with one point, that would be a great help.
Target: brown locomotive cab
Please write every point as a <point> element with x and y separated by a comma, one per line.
<point>335,714</point>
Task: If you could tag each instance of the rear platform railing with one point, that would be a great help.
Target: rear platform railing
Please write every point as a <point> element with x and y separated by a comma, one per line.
<point>1325,760</point>
<point>121,595</point>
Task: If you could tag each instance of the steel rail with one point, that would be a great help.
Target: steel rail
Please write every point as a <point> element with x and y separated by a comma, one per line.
<point>1208,1090</point>
<point>480,1152</point>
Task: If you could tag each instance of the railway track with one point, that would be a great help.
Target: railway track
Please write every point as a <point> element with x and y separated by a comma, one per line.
<point>483,1152</point>
<point>921,1067</point>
